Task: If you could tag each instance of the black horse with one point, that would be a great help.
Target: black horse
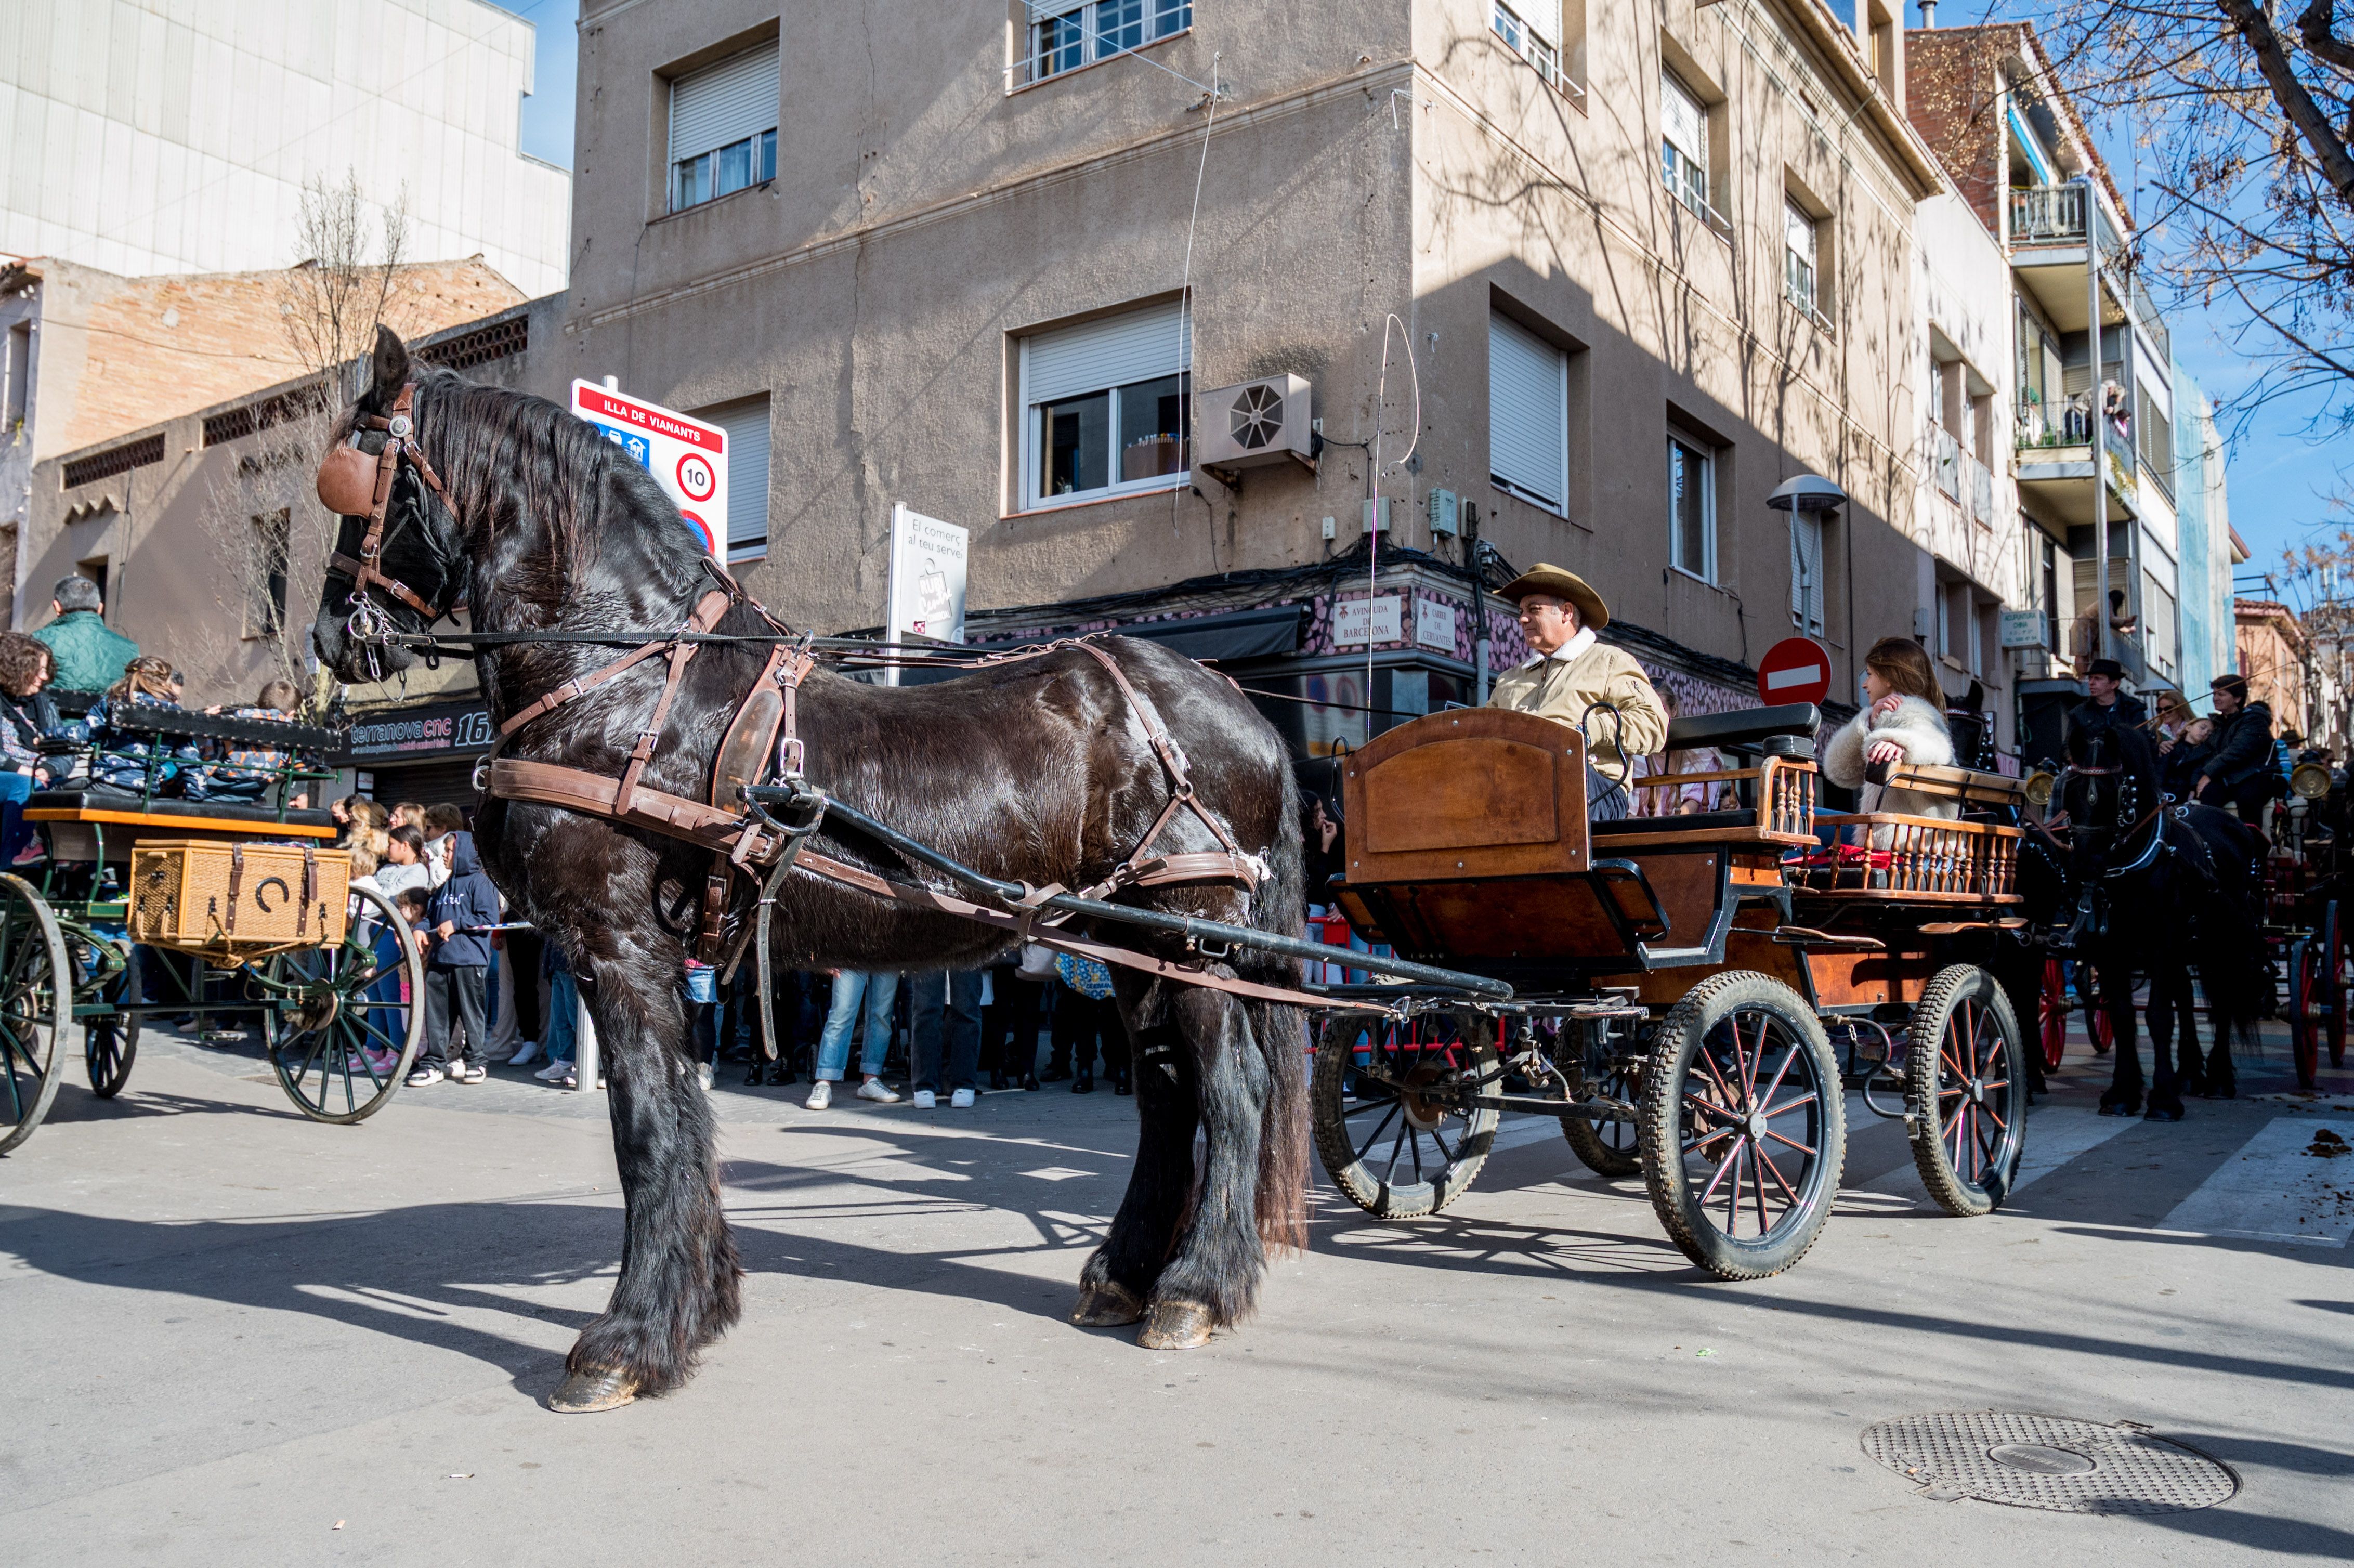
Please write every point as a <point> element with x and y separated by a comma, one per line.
<point>1039,771</point>
<point>2135,881</point>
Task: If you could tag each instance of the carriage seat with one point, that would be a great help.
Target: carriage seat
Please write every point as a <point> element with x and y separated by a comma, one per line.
<point>1750,729</point>
<point>75,805</point>
<point>1692,823</point>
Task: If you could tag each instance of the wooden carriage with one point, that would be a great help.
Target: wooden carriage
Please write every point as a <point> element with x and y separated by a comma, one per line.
<point>1667,965</point>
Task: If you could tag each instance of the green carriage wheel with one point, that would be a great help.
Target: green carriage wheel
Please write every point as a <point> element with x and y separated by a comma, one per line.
<point>341,1052</point>
<point>35,999</point>
<point>110,1041</point>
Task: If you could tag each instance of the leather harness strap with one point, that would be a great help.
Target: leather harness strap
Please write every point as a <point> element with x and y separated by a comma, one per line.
<point>399,428</point>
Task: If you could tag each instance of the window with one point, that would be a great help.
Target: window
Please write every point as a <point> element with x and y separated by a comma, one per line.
<point>746,425</point>
<point>2157,440</point>
<point>265,589</point>
<point>1692,509</point>
<point>1531,29</point>
<point>1807,572</point>
<point>723,128</point>
<point>1527,414</point>
<point>1063,37</point>
<point>16,377</point>
<point>1105,406</point>
<point>1683,145</point>
<point>1799,252</point>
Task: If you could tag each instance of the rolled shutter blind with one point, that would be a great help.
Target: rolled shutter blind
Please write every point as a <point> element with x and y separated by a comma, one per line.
<point>1543,15</point>
<point>1528,413</point>
<point>721,104</point>
<point>1682,120</point>
<point>746,424</point>
<point>1142,346</point>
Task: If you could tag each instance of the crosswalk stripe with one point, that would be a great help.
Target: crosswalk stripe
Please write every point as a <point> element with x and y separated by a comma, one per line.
<point>2058,1134</point>
<point>2274,1190</point>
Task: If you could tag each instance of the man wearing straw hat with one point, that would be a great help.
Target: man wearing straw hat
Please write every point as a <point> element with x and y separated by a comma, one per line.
<point>1578,681</point>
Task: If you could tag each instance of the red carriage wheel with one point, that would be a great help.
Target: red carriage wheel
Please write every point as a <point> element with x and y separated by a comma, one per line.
<point>2052,1014</point>
<point>2302,1036</point>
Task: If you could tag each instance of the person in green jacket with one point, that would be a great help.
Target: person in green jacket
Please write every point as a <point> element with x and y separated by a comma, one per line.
<point>90,654</point>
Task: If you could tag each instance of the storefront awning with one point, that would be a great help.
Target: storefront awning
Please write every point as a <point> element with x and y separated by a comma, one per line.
<point>1238,634</point>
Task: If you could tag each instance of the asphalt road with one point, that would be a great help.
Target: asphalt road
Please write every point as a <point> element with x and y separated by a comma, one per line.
<point>236,1336</point>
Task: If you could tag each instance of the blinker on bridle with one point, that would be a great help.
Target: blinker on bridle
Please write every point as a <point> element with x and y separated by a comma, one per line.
<point>351,483</point>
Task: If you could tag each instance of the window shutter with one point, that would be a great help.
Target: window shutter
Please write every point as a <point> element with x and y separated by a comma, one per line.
<point>746,424</point>
<point>1544,18</point>
<point>1683,121</point>
<point>1528,411</point>
<point>1142,346</point>
<point>720,105</point>
<point>1807,572</point>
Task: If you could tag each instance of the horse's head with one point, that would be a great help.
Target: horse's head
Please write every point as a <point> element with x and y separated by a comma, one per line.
<point>399,561</point>
<point>2109,787</point>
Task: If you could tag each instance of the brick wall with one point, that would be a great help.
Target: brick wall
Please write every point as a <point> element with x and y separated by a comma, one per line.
<point>1954,82</point>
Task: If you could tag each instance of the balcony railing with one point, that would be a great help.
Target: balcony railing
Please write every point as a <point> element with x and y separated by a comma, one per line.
<point>2043,214</point>
<point>1961,477</point>
<point>2068,422</point>
<point>1534,47</point>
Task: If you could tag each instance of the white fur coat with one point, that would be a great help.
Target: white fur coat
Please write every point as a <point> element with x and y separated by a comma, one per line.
<point>1917,726</point>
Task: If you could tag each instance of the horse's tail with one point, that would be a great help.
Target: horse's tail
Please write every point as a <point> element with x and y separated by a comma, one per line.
<point>1280,1036</point>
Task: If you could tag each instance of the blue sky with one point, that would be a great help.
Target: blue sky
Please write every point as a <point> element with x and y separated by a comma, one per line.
<point>2280,478</point>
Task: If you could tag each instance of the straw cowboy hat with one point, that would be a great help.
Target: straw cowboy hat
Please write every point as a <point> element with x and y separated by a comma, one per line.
<point>1544,577</point>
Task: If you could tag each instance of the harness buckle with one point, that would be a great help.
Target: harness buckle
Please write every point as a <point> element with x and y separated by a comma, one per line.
<point>791,754</point>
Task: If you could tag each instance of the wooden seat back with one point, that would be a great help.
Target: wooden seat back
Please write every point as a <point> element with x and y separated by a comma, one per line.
<point>1467,794</point>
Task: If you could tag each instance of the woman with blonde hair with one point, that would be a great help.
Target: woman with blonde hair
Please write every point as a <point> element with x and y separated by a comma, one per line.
<point>1902,723</point>
<point>123,759</point>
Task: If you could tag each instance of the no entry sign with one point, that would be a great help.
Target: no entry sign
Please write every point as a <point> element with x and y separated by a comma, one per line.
<point>1794,670</point>
<point>687,458</point>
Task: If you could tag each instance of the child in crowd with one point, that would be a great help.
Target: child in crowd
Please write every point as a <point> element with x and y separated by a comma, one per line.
<point>124,756</point>
<point>462,910</point>
<point>440,822</point>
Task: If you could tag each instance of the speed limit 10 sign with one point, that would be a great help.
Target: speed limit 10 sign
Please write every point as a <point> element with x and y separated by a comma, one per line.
<point>686,457</point>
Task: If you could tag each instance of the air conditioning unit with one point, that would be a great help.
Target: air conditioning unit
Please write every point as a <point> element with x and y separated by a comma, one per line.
<point>1257,423</point>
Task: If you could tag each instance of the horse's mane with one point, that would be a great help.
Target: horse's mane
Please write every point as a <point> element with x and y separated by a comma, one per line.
<point>508,458</point>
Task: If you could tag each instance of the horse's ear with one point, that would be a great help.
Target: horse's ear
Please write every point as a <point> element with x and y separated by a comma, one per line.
<point>389,367</point>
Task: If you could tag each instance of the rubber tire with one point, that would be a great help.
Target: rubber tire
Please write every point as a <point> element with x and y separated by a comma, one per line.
<point>1593,1151</point>
<point>1361,1184</point>
<point>45,950</point>
<point>2302,1041</point>
<point>372,904</point>
<point>109,1068</point>
<point>1949,989</point>
<point>1674,1044</point>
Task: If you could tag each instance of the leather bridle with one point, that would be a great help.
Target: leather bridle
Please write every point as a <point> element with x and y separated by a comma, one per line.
<point>343,477</point>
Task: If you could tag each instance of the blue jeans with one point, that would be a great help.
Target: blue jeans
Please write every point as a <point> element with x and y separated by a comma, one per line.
<point>879,991</point>
<point>15,832</point>
<point>557,1030</point>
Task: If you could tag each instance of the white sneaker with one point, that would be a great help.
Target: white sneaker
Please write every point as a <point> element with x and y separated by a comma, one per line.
<point>524,1055</point>
<point>925,1100</point>
<point>424,1077</point>
<point>820,1096</point>
<point>877,1090</point>
<point>552,1072</point>
<point>961,1099</point>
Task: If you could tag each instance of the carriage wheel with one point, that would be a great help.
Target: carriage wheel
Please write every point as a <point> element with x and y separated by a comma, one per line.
<point>1389,1127</point>
<point>2051,1010</point>
<point>340,1051</point>
<point>1609,1148</point>
<point>109,1044</point>
<point>2302,1038</point>
<point>1743,1126</point>
<point>36,1000</point>
<point>2333,983</point>
<point>1967,1096</point>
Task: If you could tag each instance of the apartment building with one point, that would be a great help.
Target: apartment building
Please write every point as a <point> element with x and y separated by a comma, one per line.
<point>2092,430</point>
<point>1165,300</point>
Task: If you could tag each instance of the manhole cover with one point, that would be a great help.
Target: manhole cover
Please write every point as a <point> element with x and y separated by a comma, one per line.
<point>2049,1462</point>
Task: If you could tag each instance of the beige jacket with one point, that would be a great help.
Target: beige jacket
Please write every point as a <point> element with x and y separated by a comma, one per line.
<point>1565,688</point>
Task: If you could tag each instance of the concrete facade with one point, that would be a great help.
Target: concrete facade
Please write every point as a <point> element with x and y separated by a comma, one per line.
<point>147,136</point>
<point>1364,161</point>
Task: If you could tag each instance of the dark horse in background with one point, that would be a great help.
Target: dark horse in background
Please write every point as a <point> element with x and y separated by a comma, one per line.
<point>2135,881</point>
<point>1037,771</point>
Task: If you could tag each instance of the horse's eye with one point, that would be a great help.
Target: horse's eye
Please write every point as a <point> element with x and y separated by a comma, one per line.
<point>372,442</point>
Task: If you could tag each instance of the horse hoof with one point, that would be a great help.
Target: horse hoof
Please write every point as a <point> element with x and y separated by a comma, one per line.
<point>2108,1109</point>
<point>585,1392</point>
<point>1175,1326</point>
<point>2157,1112</point>
<point>1106,1305</point>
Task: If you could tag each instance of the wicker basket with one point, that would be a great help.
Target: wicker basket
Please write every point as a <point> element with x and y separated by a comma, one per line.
<point>203,894</point>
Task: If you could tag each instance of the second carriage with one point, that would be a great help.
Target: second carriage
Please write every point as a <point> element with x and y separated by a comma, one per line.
<point>146,906</point>
<point>1678,980</point>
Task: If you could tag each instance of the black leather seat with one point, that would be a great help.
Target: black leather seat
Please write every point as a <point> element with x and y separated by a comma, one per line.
<point>1744,727</point>
<point>256,812</point>
<point>1692,822</point>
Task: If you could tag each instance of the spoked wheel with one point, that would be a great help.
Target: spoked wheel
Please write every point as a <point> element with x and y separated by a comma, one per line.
<point>2333,981</point>
<point>1609,1148</point>
<point>1385,1102</point>
<point>2303,1038</point>
<point>111,1044</point>
<point>1966,1089</point>
<point>1743,1126</point>
<point>2052,1014</point>
<point>346,1026</point>
<point>36,1000</point>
